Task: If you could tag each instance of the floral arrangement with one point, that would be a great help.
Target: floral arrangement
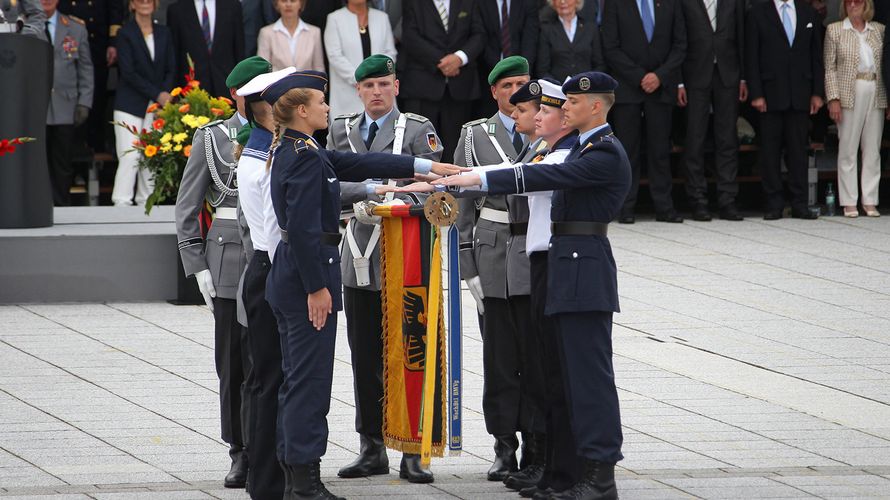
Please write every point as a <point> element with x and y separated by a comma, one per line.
<point>166,147</point>
<point>7,146</point>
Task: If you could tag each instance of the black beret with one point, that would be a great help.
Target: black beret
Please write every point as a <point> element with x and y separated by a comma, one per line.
<point>531,91</point>
<point>306,79</point>
<point>590,82</point>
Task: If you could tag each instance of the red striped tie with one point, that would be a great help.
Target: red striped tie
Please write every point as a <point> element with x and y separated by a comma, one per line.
<point>505,30</point>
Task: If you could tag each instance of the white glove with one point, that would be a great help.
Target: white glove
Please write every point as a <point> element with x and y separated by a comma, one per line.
<point>475,286</point>
<point>205,284</point>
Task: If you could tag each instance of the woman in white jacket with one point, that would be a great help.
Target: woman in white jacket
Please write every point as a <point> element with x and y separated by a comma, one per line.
<point>352,34</point>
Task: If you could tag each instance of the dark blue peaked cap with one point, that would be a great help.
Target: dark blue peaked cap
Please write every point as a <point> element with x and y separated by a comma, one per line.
<point>304,79</point>
<point>590,82</point>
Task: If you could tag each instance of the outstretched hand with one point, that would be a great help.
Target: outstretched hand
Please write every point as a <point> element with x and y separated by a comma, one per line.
<point>416,187</point>
<point>447,168</point>
<point>465,180</point>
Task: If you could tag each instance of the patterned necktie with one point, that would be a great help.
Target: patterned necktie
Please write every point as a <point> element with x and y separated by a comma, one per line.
<point>786,22</point>
<point>505,29</point>
<point>648,21</point>
<point>443,12</point>
<point>517,140</point>
<point>372,133</point>
<point>205,25</point>
<point>711,7</point>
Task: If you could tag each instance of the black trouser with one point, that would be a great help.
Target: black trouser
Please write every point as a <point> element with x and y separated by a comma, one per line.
<point>232,365</point>
<point>447,116</point>
<point>59,144</point>
<point>563,467</point>
<point>501,394</point>
<point>364,329</point>
<point>532,386</point>
<point>628,121</point>
<point>265,477</point>
<point>97,122</point>
<point>724,101</point>
<point>784,130</point>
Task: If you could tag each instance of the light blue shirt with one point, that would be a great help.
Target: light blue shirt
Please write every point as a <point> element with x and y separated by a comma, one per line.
<point>364,128</point>
<point>509,123</point>
<point>572,29</point>
<point>51,24</point>
<point>241,119</point>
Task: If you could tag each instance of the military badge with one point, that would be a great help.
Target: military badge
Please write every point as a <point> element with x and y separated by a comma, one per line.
<point>389,66</point>
<point>491,128</point>
<point>325,88</point>
<point>584,84</point>
<point>69,46</point>
<point>534,88</point>
<point>432,140</point>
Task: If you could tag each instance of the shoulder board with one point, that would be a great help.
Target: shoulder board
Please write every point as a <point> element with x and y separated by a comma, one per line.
<point>480,121</point>
<point>346,116</point>
<point>211,124</point>
<point>608,138</point>
<point>417,118</point>
<point>76,20</point>
<point>301,145</point>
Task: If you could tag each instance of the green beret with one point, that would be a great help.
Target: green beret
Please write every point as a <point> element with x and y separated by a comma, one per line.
<point>244,134</point>
<point>374,67</point>
<point>247,70</point>
<point>507,67</point>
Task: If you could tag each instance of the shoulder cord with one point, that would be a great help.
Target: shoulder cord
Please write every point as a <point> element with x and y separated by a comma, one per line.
<point>348,130</point>
<point>210,150</point>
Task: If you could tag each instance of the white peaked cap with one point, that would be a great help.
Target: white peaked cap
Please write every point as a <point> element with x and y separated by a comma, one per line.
<point>551,90</point>
<point>260,82</point>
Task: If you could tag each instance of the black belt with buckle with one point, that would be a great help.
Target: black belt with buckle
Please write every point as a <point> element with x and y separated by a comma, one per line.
<point>518,228</point>
<point>579,228</point>
<point>332,239</point>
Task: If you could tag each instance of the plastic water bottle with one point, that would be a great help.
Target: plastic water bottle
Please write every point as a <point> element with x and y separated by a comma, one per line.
<point>830,199</point>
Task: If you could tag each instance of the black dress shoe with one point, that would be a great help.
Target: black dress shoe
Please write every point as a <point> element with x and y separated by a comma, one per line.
<point>671,217</point>
<point>504,457</point>
<point>773,215</point>
<point>626,216</point>
<point>801,213</point>
<point>701,213</point>
<point>411,470</point>
<point>371,461</point>
<point>237,476</point>
<point>730,212</point>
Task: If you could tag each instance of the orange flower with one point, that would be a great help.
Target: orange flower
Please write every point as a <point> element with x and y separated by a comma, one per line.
<point>216,111</point>
<point>175,92</point>
<point>185,108</point>
<point>186,151</point>
<point>194,84</point>
<point>137,143</point>
<point>154,107</point>
<point>150,150</point>
<point>225,100</point>
<point>158,124</point>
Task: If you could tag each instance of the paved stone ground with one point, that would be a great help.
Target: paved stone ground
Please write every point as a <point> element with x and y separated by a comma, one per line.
<point>752,361</point>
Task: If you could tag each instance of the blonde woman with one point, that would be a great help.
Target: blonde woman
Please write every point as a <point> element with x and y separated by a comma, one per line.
<point>290,41</point>
<point>857,102</point>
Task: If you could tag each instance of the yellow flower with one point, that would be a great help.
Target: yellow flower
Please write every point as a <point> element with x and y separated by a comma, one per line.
<point>166,138</point>
<point>150,150</point>
<point>175,92</point>
<point>203,120</point>
<point>190,120</point>
<point>166,147</point>
<point>177,147</point>
<point>178,138</point>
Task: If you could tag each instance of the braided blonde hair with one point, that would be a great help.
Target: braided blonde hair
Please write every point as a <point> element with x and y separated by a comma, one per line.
<point>239,148</point>
<point>283,113</point>
<point>276,140</point>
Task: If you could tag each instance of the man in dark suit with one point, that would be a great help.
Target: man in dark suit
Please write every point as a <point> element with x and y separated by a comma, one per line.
<point>783,53</point>
<point>644,42</point>
<point>256,14</point>
<point>441,41</point>
<point>713,80</point>
<point>515,36</point>
<point>203,30</point>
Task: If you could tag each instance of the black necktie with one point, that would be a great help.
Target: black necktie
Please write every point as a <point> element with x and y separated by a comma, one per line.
<point>49,38</point>
<point>372,132</point>
<point>517,140</point>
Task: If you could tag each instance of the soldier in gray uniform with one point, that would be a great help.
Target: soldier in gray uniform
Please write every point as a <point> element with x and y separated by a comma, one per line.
<point>23,16</point>
<point>218,262</point>
<point>484,227</point>
<point>381,127</point>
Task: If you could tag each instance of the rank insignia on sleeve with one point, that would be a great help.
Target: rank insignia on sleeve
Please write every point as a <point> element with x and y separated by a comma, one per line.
<point>432,140</point>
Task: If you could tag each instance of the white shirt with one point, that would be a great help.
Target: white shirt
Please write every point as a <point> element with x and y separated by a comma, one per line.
<point>150,44</point>
<point>572,29</point>
<point>539,203</point>
<point>791,13</point>
<point>866,54</point>
<point>211,14</point>
<point>291,40</point>
<point>254,196</point>
<point>500,7</point>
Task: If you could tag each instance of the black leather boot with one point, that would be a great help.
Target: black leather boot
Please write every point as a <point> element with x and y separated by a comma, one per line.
<point>597,483</point>
<point>528,450</point>
<point>371,461</point>
<point>237,476</point>
<point>504,457</point>
<point>305,481</point>
<point>531,474</point>
<point>288,482</point>
<point>411,470</point>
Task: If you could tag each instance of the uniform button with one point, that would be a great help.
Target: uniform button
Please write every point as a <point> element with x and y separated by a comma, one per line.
<point>574,255</point>
<point>219,239</point>
<point>331,260</point>
<point>91,19</point>
<point>549,245</point>
<point>89,4</point>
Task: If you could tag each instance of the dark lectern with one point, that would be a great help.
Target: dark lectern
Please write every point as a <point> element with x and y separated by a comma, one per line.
<point>25,81</point>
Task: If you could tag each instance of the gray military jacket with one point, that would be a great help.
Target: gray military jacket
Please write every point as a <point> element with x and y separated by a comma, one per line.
<point>518,267</point>
<point>420,141</point>
<point>222,253</point>
<point>28,12</point>
<point>72,71</point>
<point>483,243</point>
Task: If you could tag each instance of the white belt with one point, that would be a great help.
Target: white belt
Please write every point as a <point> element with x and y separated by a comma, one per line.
<point>490,214</point>
<point>228,213</point>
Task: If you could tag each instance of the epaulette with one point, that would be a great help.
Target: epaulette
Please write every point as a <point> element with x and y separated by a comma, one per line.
<point>608,138</point>
<point>480,121</point>
<point>417,118</point>
<point>347,116</point>
<point>76,20</point>
<point>301,145</point>
<point>211,124</point>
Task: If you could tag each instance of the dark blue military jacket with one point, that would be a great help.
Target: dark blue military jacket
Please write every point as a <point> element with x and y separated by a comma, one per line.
<point>305,191</point>
<point>589,186</point>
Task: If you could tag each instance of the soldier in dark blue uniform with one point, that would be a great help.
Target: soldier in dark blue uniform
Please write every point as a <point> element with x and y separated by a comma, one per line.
<point>582,286</point>
<point>304,285</point>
